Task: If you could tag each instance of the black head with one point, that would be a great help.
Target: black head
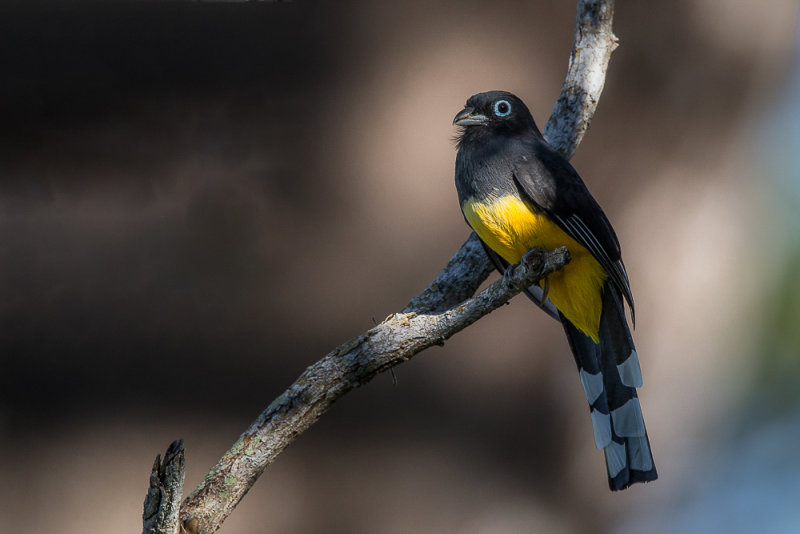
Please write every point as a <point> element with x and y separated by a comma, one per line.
<point>494,112</point>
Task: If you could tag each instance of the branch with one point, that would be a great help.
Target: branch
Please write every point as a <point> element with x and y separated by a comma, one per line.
<point>429,319</point>
<point>163,500</point>
<point>394,341</point>
<point>591,52</point>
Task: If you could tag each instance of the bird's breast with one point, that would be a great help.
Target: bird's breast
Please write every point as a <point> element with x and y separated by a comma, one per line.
<point>511,227</point>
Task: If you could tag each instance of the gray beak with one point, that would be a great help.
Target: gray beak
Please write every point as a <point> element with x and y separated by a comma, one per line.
<point>468,117</point>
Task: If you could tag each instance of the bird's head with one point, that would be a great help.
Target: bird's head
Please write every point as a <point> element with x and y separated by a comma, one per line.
<point>494,112</point>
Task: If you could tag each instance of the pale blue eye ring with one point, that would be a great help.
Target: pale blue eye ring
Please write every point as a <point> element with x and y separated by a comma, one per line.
<point>502,108</point>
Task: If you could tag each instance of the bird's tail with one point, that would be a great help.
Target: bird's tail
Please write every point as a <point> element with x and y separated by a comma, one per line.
<point>610,374</point>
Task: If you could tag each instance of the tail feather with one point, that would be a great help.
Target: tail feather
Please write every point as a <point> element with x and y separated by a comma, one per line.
<point>610,374</point>
<point>616,336</point>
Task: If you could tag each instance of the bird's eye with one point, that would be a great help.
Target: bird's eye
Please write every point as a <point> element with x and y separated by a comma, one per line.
<point>502,108</point>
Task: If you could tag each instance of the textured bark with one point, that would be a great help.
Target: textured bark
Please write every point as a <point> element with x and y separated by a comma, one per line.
<point>163,500</point>
<point>591,52</point>
<point>437,313</point>
<point>395,340</point>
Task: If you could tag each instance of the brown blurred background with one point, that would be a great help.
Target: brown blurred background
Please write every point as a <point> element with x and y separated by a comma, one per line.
<point>198,200</point>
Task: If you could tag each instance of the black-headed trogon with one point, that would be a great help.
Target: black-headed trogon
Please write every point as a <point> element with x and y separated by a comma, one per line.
<point>518,193</point>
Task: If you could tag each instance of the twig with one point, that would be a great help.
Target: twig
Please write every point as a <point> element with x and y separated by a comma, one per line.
<point>163,500</point>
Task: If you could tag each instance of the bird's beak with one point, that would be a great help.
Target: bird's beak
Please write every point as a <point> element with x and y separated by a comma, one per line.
<point>468,117</point>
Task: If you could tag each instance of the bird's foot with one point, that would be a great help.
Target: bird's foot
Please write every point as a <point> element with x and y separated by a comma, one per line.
<point>530,260</point>
<point>545,291</point>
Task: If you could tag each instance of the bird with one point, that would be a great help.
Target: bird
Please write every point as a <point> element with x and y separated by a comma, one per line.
<point>518,193</point>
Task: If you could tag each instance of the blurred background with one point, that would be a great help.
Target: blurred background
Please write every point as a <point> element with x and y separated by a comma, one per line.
<point>198,200</point>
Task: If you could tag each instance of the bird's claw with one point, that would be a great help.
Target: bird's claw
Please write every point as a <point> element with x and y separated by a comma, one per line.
<point>508,276</point>
<point>545,291</point>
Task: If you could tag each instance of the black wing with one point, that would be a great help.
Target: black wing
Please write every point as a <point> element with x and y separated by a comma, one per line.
<point>553,185</point>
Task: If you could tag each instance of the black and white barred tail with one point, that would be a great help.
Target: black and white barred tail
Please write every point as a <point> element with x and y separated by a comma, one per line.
<point>610,373</point>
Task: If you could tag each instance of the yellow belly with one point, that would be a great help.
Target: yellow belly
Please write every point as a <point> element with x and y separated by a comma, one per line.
<point>511,228</point>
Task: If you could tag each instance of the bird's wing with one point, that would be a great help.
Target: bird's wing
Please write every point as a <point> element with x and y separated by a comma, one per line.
<point>553,186</point>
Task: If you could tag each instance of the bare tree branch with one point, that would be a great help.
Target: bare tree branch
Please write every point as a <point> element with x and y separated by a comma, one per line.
<point>163,500</point>
<point>591,52</point>
<point>593,43</point>
<point>429,319</point>
<point>395,340</point>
